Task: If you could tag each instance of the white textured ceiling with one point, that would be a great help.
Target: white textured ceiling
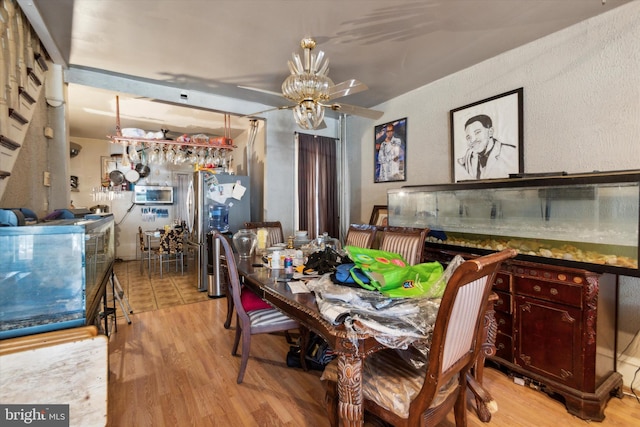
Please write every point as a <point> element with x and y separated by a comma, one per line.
<point>224,46</point>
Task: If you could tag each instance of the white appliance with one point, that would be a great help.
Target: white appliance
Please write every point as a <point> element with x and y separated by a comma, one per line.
<point>152,194</point>
<point>207,193</point>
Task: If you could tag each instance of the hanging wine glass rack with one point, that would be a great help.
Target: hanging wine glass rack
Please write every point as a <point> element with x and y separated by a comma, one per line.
<point>221,142</point>
<point>148,142</point>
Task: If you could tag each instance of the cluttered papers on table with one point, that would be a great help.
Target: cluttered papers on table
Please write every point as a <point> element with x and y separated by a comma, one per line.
<point>298,287</point>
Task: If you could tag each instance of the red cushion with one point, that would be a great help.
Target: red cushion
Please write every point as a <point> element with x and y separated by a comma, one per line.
<point>252,302</point>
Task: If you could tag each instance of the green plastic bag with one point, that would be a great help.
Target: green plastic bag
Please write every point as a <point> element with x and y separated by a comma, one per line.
<point>392,276</point>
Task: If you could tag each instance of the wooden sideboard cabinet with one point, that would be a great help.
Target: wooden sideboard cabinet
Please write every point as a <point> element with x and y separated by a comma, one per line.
<point>548,329</point>
<point>553,329</point>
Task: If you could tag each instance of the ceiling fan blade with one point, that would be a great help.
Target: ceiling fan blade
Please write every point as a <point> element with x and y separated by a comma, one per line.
<point>348,87</point>
<point>356,111</point>
<point>284,107</point>
<point>255,89</point>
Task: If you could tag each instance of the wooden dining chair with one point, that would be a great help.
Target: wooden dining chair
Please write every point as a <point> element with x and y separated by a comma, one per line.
<point>361,235</point>
<point>404,395</point>
<point>275,235</point>
<point>274,229</point>
<point>406,241</point>
<point>250,301</point>
<point>248,323</point>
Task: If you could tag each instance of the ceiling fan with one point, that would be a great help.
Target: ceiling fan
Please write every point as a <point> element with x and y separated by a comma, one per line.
<point>311,89</point>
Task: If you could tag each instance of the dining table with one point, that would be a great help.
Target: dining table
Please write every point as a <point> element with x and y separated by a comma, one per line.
<point>351,348</point>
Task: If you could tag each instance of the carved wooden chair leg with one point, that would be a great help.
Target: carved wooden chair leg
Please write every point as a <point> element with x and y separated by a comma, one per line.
<point>485,404</point>
<point>460,407</point>
<point>227,322</point>
<point>236,341</point>
<point>244,358</point>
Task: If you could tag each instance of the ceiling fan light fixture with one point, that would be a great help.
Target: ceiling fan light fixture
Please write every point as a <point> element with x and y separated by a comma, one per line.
<point>308,114</point>
<point>311,89</point>
<point>308,85</point>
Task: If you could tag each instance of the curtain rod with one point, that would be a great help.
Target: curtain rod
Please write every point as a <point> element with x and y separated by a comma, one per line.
<point>315,136</point>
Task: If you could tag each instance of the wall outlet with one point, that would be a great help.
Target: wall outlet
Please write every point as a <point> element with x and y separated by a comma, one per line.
<point>47,179</point>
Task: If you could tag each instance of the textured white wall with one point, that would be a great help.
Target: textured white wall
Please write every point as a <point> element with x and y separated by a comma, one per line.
<point>581,113</point>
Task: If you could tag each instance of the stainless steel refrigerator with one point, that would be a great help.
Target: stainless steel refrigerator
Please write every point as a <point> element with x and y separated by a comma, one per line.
<point>214,200</point>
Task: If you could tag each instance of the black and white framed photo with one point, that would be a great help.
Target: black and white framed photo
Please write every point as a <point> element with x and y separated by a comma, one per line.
<point>487,138</point>
<point>389,154</point>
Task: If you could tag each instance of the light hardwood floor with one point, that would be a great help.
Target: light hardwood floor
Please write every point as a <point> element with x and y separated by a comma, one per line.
<point>173,367</point>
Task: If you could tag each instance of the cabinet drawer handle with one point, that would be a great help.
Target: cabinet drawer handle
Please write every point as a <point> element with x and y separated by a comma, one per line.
<point>554,291</point>
<point>500,346</point>
<point>502,321</point>
<point>537,288</point>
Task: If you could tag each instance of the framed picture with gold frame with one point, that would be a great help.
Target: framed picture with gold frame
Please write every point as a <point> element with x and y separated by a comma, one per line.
<point>379,216</point>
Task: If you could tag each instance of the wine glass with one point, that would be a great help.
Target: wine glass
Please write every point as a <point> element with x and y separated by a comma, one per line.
<point>161,155</point>
<point>133,152</point>
<point>179,157</point>
<point>192,157</point>
<point>153,156</point>
<point>201,157</point>
<point>230,164</point>
<point>170,155</point>
<point>209,160</point>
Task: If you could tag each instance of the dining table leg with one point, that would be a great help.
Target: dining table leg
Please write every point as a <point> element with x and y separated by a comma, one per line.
<point>350,403</point>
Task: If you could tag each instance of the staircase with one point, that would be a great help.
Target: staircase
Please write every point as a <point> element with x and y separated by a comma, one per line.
<point>22,74</point>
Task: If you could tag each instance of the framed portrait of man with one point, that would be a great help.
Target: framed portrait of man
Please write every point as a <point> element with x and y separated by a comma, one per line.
<point>487,138</point>
<point>390,151</point>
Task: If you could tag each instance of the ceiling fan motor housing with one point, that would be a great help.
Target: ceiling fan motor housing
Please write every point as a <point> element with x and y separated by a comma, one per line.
<point>306,86</point>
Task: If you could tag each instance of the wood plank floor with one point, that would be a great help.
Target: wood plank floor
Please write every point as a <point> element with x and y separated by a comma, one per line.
<point>173,367</point>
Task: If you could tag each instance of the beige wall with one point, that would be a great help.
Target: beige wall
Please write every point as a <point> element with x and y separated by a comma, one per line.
<point>25,187</point>
<point>581,113</point>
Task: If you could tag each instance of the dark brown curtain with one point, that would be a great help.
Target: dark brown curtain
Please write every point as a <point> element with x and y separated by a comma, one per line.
<point>318,185</point>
